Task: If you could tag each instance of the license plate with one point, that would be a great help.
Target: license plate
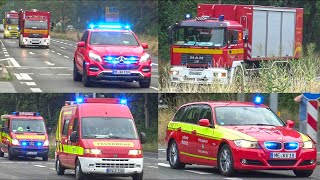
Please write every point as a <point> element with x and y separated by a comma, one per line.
<point>276,155</point>
<point>35,41</point>
<point>115,171</point>
<point>195,73</point>
<point>31,153</point>
<point>121,72</point>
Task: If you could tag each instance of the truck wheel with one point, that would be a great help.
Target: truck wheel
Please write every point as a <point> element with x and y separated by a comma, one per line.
<point>76,75</point>
<point>303,173</point>
<point>1,153</point>
<point>86,79</point>
<point>145,84</point>
<point>59,169</point>
<point>10,155</point>
<point>45,158</point>
<point>174,159</point>
<point>138,176</point>
<point>78,171</point>
<point>225,161</point>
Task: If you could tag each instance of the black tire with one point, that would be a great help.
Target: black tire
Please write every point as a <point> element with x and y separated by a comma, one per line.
<point>174,159</point>
<point>226,168</point>
<point>138,176</point>
<point>10,155</point>
<point>78,172</point>
<point>76,75</point>
<point>47,47</point>
<point>303,173</point>
<point>1,153</point>
<point>145,84</point>
<point>85,78</point>
<point>45,158</point>
<point>59,168</point>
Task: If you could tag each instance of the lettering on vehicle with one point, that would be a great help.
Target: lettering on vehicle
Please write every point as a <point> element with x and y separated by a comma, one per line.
<point>202,151</point>
<point>31,31</point>
<point>185,140</point>
<point>30,137</point>
<point>202,140</point>
<point>114,144</point>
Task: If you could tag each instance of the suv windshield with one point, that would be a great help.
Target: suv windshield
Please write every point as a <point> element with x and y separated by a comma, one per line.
<point>36,25</point>
<point>28,125</point>
<point>113,38</point>
<point>242,116</point>
<point>108,128</point>
<point>13,21</point>
<point>199,36</point>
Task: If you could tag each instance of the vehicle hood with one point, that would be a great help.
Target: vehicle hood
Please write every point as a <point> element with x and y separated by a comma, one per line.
<point>269,133</point>
<point>118,50</point>
<point>29,136</point>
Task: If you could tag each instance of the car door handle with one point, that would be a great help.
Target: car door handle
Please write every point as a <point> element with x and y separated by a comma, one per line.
<point>194,132</point>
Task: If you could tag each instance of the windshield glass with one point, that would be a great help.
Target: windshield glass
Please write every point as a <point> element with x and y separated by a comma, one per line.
<point>199,36</point>
<point>36,25</point>
<point>113,38</point>
<point>28,125</point>
<point>108,128</point>
<point>13,21</point>
<point>242,116</point>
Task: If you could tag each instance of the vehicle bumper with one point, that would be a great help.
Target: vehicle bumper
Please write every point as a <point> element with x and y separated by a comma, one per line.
<point>35,41</point>
<point>184,75</point>
<point>258,159</point>
<point>102,165</point>
<point>13,34</point>
<point>40,152</point>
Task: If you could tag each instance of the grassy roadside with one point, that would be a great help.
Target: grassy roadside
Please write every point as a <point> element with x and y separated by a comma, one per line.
<point>5,75</point>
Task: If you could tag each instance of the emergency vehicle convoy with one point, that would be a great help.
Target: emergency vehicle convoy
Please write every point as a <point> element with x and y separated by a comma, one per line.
<point>224,38</point>
<point>34,28</point>
<point>10,23</point>
<point>99,136</point>
<point>111,52</point>
<point>23,134</point>
<point>237,136</point>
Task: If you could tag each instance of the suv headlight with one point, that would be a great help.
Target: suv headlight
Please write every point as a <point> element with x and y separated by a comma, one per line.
<point>46,143</point>
<point>15,142</point>
<point>92,151</point>
<point>134,152</point>
<point>307,145</point>
<point>247,144</point>
<point>95,57</point>
<point>145,57</point>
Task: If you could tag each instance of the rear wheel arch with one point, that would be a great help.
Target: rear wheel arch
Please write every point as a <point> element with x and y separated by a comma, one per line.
<point>169,142</point>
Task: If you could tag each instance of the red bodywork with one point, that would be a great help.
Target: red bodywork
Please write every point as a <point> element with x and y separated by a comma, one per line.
<point>34,16</point>
<point>260,133</point>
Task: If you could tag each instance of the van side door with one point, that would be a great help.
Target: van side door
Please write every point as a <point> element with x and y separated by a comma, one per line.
<point>74,148</point>
<point>64,140</point>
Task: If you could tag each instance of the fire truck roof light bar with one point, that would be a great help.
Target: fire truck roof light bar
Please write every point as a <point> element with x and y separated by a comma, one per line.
<point>25,113</point>
<point>110,26</point>
<point>81,100</point>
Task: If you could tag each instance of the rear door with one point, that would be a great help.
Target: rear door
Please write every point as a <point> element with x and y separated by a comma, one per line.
<point>64,139</point>
<point>73,147</point>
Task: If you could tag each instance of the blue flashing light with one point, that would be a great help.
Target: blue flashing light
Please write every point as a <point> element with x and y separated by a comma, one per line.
<point>127,27</point>
<point>14,113</point>
<point>258,100</point>
<point>114,62</point>
<point>123,101</point>
<point>79,100</point>
<point>272,145</point>
<point>39,144</point>
<point>291,146</point>
<point>91,26</point>
<point>188,16</point>
<point>109,58</point>
<point>37,114</point>
<point>111,26</point>
<point>24,143</point>
<point>221,18</point>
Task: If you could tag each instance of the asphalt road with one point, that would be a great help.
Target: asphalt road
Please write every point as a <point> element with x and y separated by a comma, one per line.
<point>37,169</point>
<point>205,172</point>
<point>50,70</point>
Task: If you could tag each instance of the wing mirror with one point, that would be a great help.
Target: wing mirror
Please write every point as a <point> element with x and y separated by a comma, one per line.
<point>144,45</point>
<point>290,124</point>
<point>143,138</point>
<point>74,137</point>
<point>81,44</point>
<point>204,122</point>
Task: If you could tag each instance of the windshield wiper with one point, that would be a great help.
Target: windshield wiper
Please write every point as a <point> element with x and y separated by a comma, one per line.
<point>118,137</point>
<point>101,136</point>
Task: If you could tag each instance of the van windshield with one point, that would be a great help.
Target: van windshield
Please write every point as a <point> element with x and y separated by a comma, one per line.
<point>28,125</point>
<point>108,128</point>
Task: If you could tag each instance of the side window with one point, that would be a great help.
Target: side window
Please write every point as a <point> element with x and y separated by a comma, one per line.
<point>85,36</point>
<point>192,115</point>
<point>206,113</point>
<point>65,127</point>
<point>75,125</point>
<point>179,115</point>
<point>233,37</point>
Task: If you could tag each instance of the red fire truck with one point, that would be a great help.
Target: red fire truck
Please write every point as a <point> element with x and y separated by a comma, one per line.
<point>34,28</point>
<point>222,38</point>
<point>10,23</point>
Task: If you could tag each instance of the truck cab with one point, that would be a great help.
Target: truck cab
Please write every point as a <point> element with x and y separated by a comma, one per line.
<point>99,136</point>
<point>10,21</point>
<point>24,134</point>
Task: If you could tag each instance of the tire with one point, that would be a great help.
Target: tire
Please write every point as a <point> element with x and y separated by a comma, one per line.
<point>145,84</point>
<point>174,159</point>
<point>47,47</point>
<point>1,153</point>
<point>10,155</point>
<point>45,158</point>
<point>85,78</point>
<point>303,173</point>
<point>78,172</point>
<point>76,75</point>
<point>138,176</point>
<point>225,161</point>
<point>59,169</point>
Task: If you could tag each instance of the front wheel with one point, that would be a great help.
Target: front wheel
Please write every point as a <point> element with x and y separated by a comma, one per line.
<point>10,154</point>
<point>225,161</point>
<point>174,159</point>
<point>78,171</point>
<point>59,169</point>
<point>138,176</point>
<point>1,153</point>
<point>45,158</point>
<point>76,75</point>
<point>86,79</point>
<point>303,173</point>
<point>145,84</point>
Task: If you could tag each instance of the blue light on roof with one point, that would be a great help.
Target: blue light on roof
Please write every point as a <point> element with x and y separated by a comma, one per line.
<point>39,144</point>
<point>188,16</point>
<point>221,18</point>
<point>123,101</point>
<point>14,113</point>
<point>24,143</point>
<point>111,26</point>
<point>258,100</point>
<point>127,27</point>
<point>109,58</point>
<point>79,100</point>
<point>91,26</point>
<point>37,114</point>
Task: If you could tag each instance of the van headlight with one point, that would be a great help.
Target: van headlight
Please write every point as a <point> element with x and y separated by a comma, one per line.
<point>15,142</point>
<point>95,57</point>
<point>247,144</point>
<point>145,57</point>
<point>92,151</point>
<point>307,145</point>
<point>46,143</point>
<point>134,152</point>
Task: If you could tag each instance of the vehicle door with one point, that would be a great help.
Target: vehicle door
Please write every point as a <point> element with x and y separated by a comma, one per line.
<point>64,140</point>
<point>73,146</point>
<point>81,51</point>
<point>5,135</point>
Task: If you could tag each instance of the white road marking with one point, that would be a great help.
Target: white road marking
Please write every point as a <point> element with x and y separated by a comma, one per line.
<point>29,83</point>
<point>53,169</point>
<point>233,178</point>
<point>154,88</point>
<point>35,89</point>
<point>154,64</point>
<point>59,54</point>
<point>61,42</point>
<point>14,63</point>
<point>64,74</point>
<point>163,164</point>
<point>197,172</point>
<point>62,47</point>
<point>52,51</point>
<point>7,162</point>
<point>45,74</point>
<point>4,50</point>
<point>32,53</point>
<point>23,76</point>
<point>66,57</point>
<point>49,63</point>
<point>6,55</point>
<point>28,67</point>
<point>39,166</point>
<point>153,167</point>
<point>161,149</point>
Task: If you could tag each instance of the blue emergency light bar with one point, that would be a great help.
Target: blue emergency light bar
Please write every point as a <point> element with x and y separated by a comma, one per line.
<point>109,26</point>
<point>258,100</point>
<point>26,113</point>
<point>188,16</point>
<point>126,60</point>
<point>81,100</point>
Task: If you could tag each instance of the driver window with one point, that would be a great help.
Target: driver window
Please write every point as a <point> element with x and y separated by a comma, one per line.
<point>233,37</point>
<point>84,37</point>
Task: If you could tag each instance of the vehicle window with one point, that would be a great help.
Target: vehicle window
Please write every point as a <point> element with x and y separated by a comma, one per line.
<point>235,116</point>
<point>84,36</point>
<point>180,113</point>
<point>28,125</point>
<point>36,24</point>
<point>192,115</point>
<point>75,125</point>
<point>108,128</point>
<point>65,127</point>
<point>206,113</point>
<point>113,38</point>
<point>233,36</point>
<point>13,21</point>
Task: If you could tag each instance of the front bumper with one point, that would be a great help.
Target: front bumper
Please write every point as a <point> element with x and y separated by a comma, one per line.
<point>184,75</point>
<point>30,152</point>
<point>35,41</point>
<point>131,166</point>
<point>11,34</point>
<point>259,159</point>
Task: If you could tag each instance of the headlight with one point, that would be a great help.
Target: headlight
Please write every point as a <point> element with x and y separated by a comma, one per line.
<point>46,143</point>
<point>6,32</point>
<point>95,57</point>
<point>307,145</point>
<point>9,28</point>
<point>15,142</point>
<point>145,57</point>
<point>134,152</point>
<point>246,144</point>
<point>92,151</point>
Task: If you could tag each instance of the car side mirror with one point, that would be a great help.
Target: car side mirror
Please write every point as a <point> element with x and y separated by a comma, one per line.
<point>204,122</point>
<point>81,44</point>
<point>143,138</point>
<point>144,45</point>
<point>290,124</point>
<point>246,39</point>
<point>49,130</point>
<point>74,137</point>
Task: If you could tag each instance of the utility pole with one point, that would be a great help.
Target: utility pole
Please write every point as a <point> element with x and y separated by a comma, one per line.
<point>146,110</point>
<point>274,102</point>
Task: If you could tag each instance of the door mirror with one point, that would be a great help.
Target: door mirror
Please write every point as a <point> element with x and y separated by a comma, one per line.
<point>170,34</point>
<point>81,44</point>
<point>290,124</point>
<point>49,130</point>
<point>143,138</point>
<point>246,38</point>
<point>144,45</point>
<point>74,137</point>
<point>204,122</point>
